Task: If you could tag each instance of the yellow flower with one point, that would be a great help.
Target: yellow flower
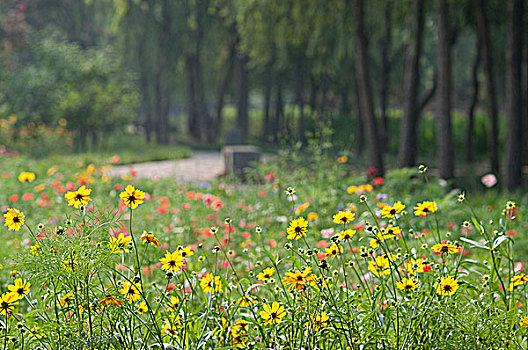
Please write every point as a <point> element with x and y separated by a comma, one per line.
<point>345,235</point>
<point>20,288</point>
<point>352,189</point>
<point>381,264</point>
<point>523,322</point>
<point>447,286</point>
<point>444,248</point>
<point>132,197</point>
<point>14,219</point>
<point>302,208</point>
<point>414,266</point>
<point>108,300</point>
<point>174,304</point>
<point>26,176</point>
<point>297,228</point>
<point>333,250</point>
<point>34,249</point>
<point>343,217</point>
<point>149,238</point>
<point>518,280</point>
<point>297,279</point>
<point>239,332</point>
<point>35,333</point>
<point>142,308</point>
<point>121,244</point>
<point>407,284</point>
<point>172,262</point>
<point>246,301</point>
<point>210,283</point>
<point>318,322</point>
<point>424,208</point>
<point>342,159</point>
<point>40,188</point>
<point>7,303</point>
<point>186,252</point>
<point>79,197</point>
<point>367,188</point>
<point>273,314</point>
<point>131,291</point>
<point>267,273</point>
<point>66,300</point>
<point>387,234</point>
<point>52,170</point>
<point>390,212</point>
<point>312,216</point>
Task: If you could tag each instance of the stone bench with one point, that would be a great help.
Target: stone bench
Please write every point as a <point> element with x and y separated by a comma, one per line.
<point>237,158</point>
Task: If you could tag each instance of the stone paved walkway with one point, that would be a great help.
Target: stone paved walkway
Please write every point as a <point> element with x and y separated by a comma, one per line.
<point>202,166</point>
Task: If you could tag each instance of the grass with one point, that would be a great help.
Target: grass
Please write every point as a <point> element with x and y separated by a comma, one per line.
<point>96,285</point>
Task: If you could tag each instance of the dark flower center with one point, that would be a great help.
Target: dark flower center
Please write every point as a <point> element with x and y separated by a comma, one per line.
<point>299,278</point>
<point>273,314</point>
<point>298,229</point>
<point>172,263</point>
<point>393,211</point>
<point>20,291</point>
<point>131,199</point>
<point>447,288</point>
<point>79,196</point>
<point>425,210</point>
<point>444,249</point>
<point>16,219</point>
<point>5,305</point>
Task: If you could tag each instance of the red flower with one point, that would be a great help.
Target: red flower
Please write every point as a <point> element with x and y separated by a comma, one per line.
<point>378,181</point>
<point>372,171</point>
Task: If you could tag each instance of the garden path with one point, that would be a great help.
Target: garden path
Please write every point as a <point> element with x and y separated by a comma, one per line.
<point>201,166</point>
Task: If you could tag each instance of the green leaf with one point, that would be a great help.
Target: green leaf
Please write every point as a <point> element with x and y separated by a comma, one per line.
<point>474,243</point>
<point>499,241</point>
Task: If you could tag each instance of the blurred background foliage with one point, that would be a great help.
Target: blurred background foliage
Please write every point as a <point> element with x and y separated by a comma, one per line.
<point>209,72</point>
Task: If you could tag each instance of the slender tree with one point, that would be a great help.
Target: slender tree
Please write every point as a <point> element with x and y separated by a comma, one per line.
<point>513,94</point>
<point>443,99</point>
<point>472,106</point>
<point>365,93</point>
<point>408,127</point>
<point>242,95</point>
<point>491,96</point>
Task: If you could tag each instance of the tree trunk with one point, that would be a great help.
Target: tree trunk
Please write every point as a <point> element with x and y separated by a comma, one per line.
<point>443,99</point>
<point>324,94</point>
<point>242,94</point>
<point>513,105</point>
<point>485,46</point>
<point>299,91</point>
<point>385,76</point>
<point>161,89</point>
<point>472,106</point>
<point>279,111</point>
<point>268,84</point>
<point>222,90</point>
<point>161,103</point>
<point>313,94</point>
<point>408,128</point>
<point>360,137</point>
<point>365,94</point>
<point>193,123</point>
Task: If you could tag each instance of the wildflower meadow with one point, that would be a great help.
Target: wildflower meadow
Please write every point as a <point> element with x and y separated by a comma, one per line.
<point>401,262</point>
